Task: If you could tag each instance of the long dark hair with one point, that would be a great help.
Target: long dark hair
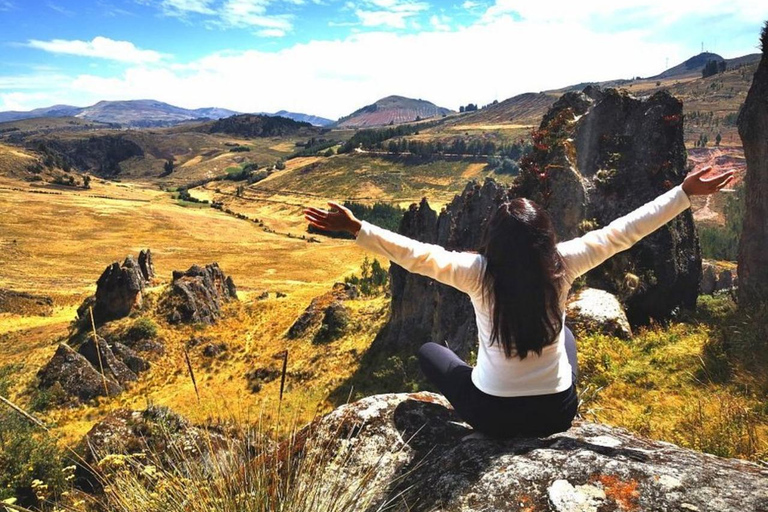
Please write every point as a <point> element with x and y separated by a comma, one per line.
<point>522,277</point>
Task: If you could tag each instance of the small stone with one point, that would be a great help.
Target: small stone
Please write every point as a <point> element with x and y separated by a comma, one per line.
<point>564,497</point>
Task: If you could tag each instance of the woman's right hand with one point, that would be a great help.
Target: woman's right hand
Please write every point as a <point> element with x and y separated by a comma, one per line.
<point>695,185</point>
<point>338,218</point>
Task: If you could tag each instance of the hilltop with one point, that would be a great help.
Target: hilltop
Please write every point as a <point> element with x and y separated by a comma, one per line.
<point>392,110</point>
<point>144,113</point>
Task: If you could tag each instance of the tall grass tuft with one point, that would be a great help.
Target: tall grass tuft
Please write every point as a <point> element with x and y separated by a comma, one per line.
<point>246,472</point>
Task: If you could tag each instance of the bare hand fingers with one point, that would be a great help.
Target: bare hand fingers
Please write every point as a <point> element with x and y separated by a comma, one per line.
<point>702,171</point>
<point>720,177</point>
<point>724,183</point>
<point>317,212</point>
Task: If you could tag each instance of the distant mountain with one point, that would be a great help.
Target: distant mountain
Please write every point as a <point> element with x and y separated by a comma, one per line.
<point>695,64</point>
<point>133,113</point>
<point>54,111</point>
<point>392,110</point>
<point>303,118</point>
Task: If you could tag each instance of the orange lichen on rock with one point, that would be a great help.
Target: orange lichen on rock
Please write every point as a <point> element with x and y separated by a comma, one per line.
<point>625,494</point>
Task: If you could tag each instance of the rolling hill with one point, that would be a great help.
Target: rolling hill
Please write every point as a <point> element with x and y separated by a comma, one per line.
<point>392,110</point>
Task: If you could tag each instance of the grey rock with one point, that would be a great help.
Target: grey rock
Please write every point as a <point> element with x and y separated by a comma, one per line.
<point>131,359</point>
<point>708,278</point>
<point>146,266</point>
<point>418,456</point>
<point>118,291</point>
<point>592,310</point>
<point>318,315</point>
<point>197,295</point>
<point>334,323</point>
<point>753,130</point>
<point>214,349</point>
<point>76,375</point>
<point>98,353</point>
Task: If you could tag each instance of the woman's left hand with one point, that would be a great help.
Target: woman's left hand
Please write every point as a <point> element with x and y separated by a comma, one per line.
<point>338,218</point>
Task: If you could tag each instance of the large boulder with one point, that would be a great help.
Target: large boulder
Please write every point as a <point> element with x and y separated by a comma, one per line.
<point>591,310</point>
<point>76,375</point>
<point>597,156</point>
<point>197,295</point>
<point>118,291</point>
<point>753,130</point>
<point>417,455</point>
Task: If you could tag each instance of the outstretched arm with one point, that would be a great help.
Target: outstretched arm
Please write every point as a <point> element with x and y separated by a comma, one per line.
<point>584,253</point>
<point>460,270</point>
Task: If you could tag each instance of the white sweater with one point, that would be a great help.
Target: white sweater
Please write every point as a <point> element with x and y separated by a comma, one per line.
<point>550,372</point>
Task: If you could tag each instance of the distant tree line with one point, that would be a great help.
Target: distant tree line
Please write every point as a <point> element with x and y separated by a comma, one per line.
<point>251,125</point>
<point>372,138</point>
<point>314,146</point>
<point>713,67</point>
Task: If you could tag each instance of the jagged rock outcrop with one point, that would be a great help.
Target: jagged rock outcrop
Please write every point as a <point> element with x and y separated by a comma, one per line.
<point>753,130</point>
<point>197,295</point>
<point>593,310</point>
<point>313,317</point>
<point>76,375</point>
<point>130,358</point>
<point>119,290</point>
<point>100,355</point>
<point>146,266</point>
<point>414,451</point>
<point>598,155</point>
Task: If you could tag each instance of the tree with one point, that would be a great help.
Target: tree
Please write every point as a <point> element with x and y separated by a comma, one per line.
<point>710,69</point>
<point>167,168</point>
<point>718,139</point>
<point>86,182</point>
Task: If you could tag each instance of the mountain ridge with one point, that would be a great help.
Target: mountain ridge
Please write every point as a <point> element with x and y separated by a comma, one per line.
<point>392,109</point>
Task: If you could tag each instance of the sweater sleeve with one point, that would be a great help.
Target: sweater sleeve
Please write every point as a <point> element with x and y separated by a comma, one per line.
<point>585,253</point>
<point>461,270</point>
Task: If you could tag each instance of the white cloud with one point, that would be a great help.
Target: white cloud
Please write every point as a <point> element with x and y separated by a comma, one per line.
<point>252,13</point>
<point>627,10</point>
<point>100,47</point>
<point>469,4</point>
<point>476,64</point>
<point>388,13</point>
<point>183,7</point>
<point>24,101</point>
<point>440,22</point>
<point>6,5</point>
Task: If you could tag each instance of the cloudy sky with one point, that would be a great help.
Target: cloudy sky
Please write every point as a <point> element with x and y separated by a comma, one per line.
<point>330,57</point>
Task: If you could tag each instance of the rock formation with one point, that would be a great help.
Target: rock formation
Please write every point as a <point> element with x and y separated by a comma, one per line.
<point>335,321</point>
<point>598,155</point>
<point>76,375</point>
<point>591,310</point>
<point>119,290</point>
<point>416,452</point>
<point>98,353</point>
<point>714,278</point>
<point>753,130</point>
<point>315,314</point>
<point>198,294</point>
<point>146,266</point>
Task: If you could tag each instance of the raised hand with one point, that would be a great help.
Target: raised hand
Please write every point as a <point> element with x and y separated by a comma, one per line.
<point>338,218</point>
<point>695,185</point>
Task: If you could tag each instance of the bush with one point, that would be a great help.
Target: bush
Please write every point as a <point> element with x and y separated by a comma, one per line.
<point>373,278</point>
<point>31,465</point>
<point>143,328</point>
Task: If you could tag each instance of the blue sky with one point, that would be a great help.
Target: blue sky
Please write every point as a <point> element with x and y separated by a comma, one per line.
<point>329,57</point>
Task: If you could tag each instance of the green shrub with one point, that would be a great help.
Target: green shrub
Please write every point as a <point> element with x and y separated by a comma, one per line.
<point>143,328</point>
<point>373,278</point>
<point>31,465</point>
<point>722,242</point>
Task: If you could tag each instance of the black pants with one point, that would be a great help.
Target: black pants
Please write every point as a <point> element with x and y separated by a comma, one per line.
<point>539,415</point>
